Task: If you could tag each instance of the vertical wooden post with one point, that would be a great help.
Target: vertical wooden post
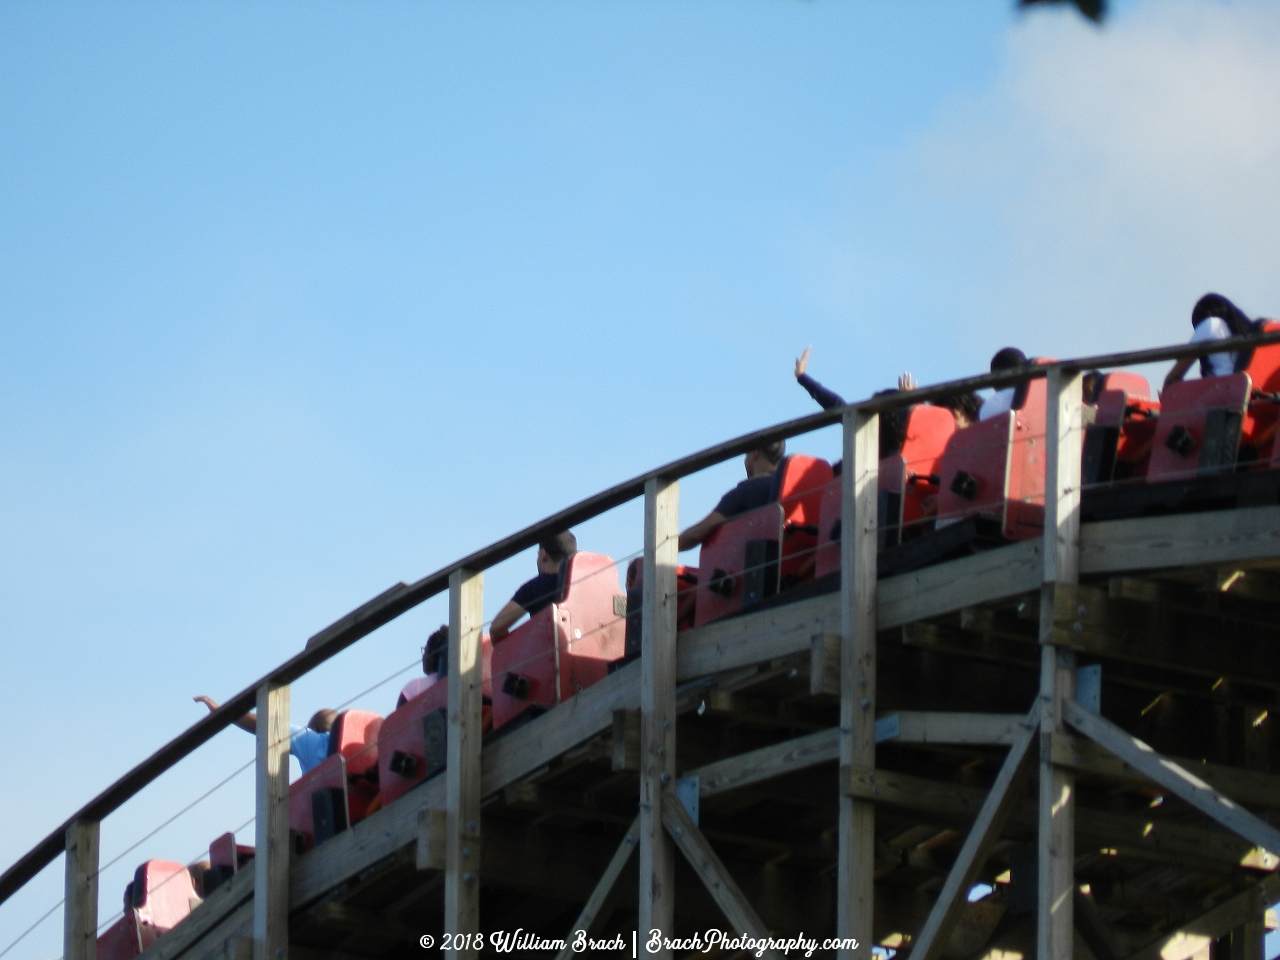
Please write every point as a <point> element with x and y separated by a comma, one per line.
<point>271,859</point>
<point>658,707</point>
<point>858,542</point>
<point>1064,439</point>
<point>462,775</point>
<point>80,911</point>
<point>1248,941</point>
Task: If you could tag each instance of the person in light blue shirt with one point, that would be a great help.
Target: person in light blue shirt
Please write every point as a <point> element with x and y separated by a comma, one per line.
<point>310,744</point>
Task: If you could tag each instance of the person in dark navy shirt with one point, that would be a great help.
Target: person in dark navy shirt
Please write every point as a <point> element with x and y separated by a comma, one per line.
<point>541,591</point>
<point>750,494</point>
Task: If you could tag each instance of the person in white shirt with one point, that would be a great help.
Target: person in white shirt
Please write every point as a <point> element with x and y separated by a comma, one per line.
<point>1009,358</point>
<point>1214,317</point>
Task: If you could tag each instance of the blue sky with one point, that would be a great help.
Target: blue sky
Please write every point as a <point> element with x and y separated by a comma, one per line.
<point>301,301</point>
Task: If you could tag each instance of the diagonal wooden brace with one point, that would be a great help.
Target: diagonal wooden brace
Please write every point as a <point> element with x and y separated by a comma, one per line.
<point>711,870</point>
<point>591,911</point>
<point>1174,778</point>
<point>984,833</point>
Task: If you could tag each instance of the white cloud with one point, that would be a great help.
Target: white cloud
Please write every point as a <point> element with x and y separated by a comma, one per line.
<point>1114,174</point>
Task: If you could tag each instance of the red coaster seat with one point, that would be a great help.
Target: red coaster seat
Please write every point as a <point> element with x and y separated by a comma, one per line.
<point>1199,429</point>
<point>411,744</point>
<point>1118,443</point>
<point>158,898</point>
<point>755,554</point>
<point>340,790</point>
<point>995,468</point>
<point>565,647</point>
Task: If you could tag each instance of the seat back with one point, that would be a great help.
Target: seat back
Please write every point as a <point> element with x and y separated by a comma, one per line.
<point>163,895</point>
<point>226,859</point>
<point>159,897</point>
<point>995,468</point>
<point>908,480</point>
<point>738,563</point>
<point>339,790</point>
<point>1117,445</point>
<point>1264,365</point>
<point>411,741</point>
<point>1199,429</point>
<point>799,483</point>
<point>564,647</point>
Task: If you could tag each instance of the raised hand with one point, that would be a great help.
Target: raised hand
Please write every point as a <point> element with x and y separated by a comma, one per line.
<point>802,362</point>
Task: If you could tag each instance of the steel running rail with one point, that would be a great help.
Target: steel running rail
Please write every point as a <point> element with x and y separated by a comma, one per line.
<point>402,597</point>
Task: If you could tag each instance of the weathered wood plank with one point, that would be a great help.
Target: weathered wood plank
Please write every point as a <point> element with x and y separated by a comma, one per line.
<point>80,905</point>
<point>855,843</point>
<point>462,789</point>
<point>1188,540</point>
<point>1244,786</point>
<point>767,762</point>
<point>658,705</point>
<point>931,942</point>
<point>728,896</point>
<point>917,726</point>
<point>271,860</point>
<point>590,916</point>
<point>1217,921</point>
<point>1064,439</point>
<point>954,805</point>
<point>1174,778</point>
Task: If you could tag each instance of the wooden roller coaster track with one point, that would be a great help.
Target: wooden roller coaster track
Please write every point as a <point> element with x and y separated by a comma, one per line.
<point>848,765</point>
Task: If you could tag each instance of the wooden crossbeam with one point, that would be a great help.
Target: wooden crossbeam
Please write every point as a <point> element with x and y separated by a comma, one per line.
<point>1214,923</point>
<point>918,726</point>
<point>982,836</point>
<point>592,911</point>
<point>1174,778</point>
<point>737,909</point>
<point>767,762</point>
<point>956,805</point>
<point>1244,786</point>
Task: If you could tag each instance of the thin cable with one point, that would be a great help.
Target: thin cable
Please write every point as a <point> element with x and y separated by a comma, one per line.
<point>24,933</point>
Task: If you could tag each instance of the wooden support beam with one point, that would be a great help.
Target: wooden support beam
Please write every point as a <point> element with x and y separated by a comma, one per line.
<point>1174,778</point>
<point>80,908</point>
<point>1064,440</point>
<point>462,775</point>
<point>271,856</point>
<point>1244,786</point>
<point>1090,620</point>
<point>767,762</point>
<point>1248,941</point>
<point>824,664</point>
<point>625,741</point>
<point>856,839</point>
<point>737,909</point>
<point>1189,540</point>
<point>914,726</point>
<point>658,705</point>
<point>1095,931</point>
<point>1216,922</point>
<point>1004,795</point>
<point>593,911</point>
<point>956,805</point>
<point>433,832</point>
